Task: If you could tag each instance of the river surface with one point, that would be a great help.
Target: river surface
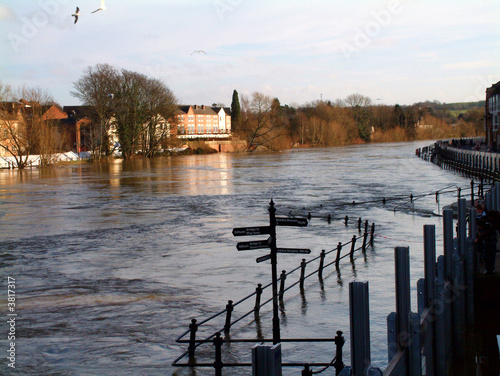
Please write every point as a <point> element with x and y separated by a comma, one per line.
<point>112,261</point>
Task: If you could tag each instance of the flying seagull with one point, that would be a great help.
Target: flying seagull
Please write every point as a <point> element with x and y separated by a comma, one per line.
<point>103,7</point>
<point>76,14</point>
<point>198,52</point>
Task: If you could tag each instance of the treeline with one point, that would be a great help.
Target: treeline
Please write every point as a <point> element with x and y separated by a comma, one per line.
<point>267,125</point>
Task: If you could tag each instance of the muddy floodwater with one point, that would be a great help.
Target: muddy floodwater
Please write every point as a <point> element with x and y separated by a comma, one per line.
<point>112,261</point>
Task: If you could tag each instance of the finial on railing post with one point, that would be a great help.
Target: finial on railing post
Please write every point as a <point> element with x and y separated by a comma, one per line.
<point>192,338</point>
<point>229,310</point>
<point>339,343</point>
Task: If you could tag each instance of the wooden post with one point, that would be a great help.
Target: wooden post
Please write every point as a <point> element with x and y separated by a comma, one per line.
<point>339,250</point>
<point>359,224</point>
<point>346,220</point>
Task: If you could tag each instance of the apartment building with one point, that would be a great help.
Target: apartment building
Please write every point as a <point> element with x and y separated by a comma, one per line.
<point>203,122</point>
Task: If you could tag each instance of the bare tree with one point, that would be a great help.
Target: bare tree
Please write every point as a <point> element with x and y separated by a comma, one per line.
<point>24,128</point>
<point>135,108</point>
<point>96,89</point>
<point>261,125</point>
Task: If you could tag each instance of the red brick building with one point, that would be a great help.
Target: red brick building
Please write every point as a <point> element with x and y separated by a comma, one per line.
<point>491,116</point>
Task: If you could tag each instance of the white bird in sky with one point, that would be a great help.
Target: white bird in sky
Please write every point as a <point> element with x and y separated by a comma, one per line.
<point>76,14</point>
<point>198,52</point>
<point>103,7</point>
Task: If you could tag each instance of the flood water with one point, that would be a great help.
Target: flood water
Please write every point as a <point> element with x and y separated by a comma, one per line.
<point>112,261</point>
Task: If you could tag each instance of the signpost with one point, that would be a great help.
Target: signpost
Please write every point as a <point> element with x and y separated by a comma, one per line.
<point>293,250</point>
<point>301,222</point>
<point>263,258</point>
<point>256,244</point>
<point>271,243</point>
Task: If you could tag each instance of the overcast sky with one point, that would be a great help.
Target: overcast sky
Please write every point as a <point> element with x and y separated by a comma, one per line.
<point>394,51</point>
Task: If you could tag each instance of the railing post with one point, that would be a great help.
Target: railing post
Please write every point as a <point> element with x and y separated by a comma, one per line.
<point>372,234</point>
<point>258,294</point>
<point>365,237</point>
<point>366,225</point>
<point>339,343</point>
<point>346,220</point>
<point>339,249</point>
<point>192,337</point>
<point>353,246</point>
<point>302,272</point>
<point>359,224</point>
<point>282,284</point>
<point>321,263</point>
<point>218,341</point>
<point>306,371</point>
<point>229,311</point>
<point>472,192</point>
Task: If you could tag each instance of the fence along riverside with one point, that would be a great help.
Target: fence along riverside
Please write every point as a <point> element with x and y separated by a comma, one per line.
<point>432,339</point>
<point>482,164</point>
<point>367,238</point>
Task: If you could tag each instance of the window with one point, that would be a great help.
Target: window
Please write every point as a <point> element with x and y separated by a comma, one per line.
<point>191,128</point>
<point>191,118</point>
<point>200,129</point>
<point>216,130</point>
<point>181,130</point>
